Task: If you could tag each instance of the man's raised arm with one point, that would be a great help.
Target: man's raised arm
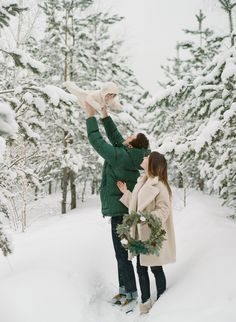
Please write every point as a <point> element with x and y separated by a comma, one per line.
<point>112,132</point>
<point>113,155</point>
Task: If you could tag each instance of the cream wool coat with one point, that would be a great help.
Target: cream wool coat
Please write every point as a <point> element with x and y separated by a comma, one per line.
<point>96,98</point>
<point>151,195</point>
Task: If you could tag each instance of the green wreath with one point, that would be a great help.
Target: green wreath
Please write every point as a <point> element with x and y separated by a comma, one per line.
<point>151,246</point>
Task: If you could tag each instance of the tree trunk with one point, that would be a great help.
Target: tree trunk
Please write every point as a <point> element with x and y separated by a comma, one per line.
<point>65,171</point>
<point>95,51</point>
<point>177,60</point>
<point>200,17</point>
<point>64,190</point>
<point>180,180</point>
<point>228,7</point>
<point>36,193</point>
<point>93,187</point>
<point>73,190</point>
<point>201,184</point>
<point>73,46</point>
<point>65,177</point>
<point>50,188</point>
<point>66,61</point>
<point>200,32</point>
<point>84,190</point>
<point>15,216</point>
<point>24,210</point>
<point>185,197</point>
<point>231,28</point>
<point>18,40</point>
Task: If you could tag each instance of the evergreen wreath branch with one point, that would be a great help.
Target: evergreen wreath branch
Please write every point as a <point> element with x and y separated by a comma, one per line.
<point>152,245</point>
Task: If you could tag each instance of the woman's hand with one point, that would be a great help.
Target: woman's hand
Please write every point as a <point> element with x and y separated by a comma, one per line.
<point>122,186</point>
<point>89,109</point>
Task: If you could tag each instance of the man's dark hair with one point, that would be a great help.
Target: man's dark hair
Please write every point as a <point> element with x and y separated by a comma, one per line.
<point>141,141</point>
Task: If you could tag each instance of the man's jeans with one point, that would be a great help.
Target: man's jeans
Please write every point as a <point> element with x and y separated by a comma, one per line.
<point>126,277</point>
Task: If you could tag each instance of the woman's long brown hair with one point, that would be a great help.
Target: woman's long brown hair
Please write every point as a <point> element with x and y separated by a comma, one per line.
<point>157,167</point>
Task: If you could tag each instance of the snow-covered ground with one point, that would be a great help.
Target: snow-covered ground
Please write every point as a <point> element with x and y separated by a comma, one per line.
<point>63,268</point>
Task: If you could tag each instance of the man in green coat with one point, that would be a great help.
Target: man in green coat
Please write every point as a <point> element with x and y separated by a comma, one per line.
<point>122,162</point>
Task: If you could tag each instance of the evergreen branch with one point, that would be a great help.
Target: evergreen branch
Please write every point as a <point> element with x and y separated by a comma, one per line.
<point>21,158</point>
<point>7,90</point>
<point>4,243</point>
<point>9,10</point>
<point>227,5</point>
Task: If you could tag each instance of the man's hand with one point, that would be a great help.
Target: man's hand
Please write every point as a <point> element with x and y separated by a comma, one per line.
<point>122,186</point>
<point>89,110</point>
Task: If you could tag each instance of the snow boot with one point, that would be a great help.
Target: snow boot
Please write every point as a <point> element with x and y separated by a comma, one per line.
<point>118,299</point>
<point>145,307</point>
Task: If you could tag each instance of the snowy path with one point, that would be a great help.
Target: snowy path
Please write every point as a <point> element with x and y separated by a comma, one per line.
<point>63,269</point>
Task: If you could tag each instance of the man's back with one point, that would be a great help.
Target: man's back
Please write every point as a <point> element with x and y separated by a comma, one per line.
<point>121,163</point>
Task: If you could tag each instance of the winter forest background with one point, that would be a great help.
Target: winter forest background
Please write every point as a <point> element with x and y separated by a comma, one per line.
<point>47,167</point>
<point>43,144</point>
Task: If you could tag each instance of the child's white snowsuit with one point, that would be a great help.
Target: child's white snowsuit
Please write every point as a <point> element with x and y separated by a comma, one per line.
<point>96,98</point>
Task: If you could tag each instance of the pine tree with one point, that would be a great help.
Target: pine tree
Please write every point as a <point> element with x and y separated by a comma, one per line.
<point>92,58</point>
<point>195,123</point>
<point>228,6</point>
<point>8,127</point>
<point>64,32</point>
<point>198,53</point>
<point>24,164</point>
<point>7,10</point>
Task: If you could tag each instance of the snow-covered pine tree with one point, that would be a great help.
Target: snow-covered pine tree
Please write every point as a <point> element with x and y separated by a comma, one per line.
<point>228,6</point>
<point>192,55</point>
<point>64,31</point>
<point>8,127</point>
<point>108,64</point>
<point>215,139</point>
<point>166,109</point>
<point>63,46</point>
<point>8,9</point>
<point>100,49</point>
<point>197,130</point>
<point>93,58</point>
<point>176,98</point>
<point>26,155</point>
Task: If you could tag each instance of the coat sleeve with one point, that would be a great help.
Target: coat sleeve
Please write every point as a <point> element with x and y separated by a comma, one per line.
<point>162,206</point>
<point>113,155</point>
<point>112,132</point>
<point>125,199</point>
<point>90,99</point>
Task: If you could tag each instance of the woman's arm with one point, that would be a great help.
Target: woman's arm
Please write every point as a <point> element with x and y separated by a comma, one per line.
<point>162,204</point>
<point>126,198</point>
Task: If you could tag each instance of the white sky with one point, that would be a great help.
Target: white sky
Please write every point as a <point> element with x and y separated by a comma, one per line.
<point>152,28</point>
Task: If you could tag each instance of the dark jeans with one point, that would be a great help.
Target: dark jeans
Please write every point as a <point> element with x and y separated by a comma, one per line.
<point>126,277</point>
<point>145,283</point>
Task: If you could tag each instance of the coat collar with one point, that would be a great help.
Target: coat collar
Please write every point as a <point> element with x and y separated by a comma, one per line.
<point>147,192</point>
<point>148,180</point>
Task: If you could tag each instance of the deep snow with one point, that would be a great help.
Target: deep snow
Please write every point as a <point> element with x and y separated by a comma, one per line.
<point>63,268</point>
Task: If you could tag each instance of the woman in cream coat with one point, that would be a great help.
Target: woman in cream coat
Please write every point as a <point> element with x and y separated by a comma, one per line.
<point>152,194</point>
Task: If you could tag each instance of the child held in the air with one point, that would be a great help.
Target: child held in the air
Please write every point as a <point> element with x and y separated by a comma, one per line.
<point>98,99</point>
